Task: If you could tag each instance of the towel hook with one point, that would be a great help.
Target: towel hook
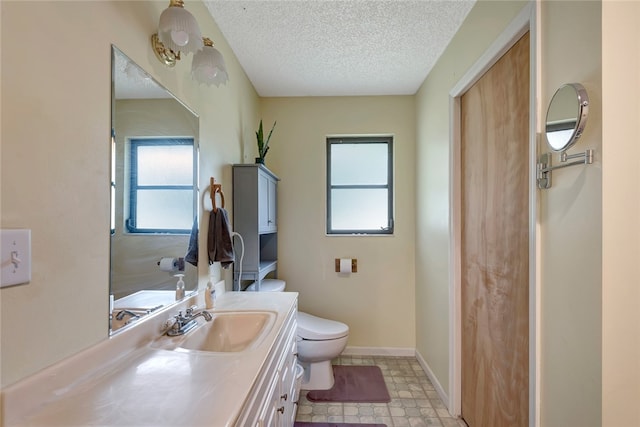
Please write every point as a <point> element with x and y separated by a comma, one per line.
<point>216,188</point>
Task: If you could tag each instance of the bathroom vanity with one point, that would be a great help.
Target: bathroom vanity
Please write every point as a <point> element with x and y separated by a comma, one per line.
<point>273,400</point>
<point>140,376</point>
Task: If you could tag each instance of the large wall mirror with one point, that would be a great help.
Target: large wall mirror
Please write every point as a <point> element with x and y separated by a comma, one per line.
<point>154,194</point>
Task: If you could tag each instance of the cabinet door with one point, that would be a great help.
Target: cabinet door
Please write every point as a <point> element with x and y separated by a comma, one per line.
<point>263,203</point>
<point>272,201</point>
<point>271,412</point>
<point>287,390</point>
<point>266,203</point>
<point>287,373</point>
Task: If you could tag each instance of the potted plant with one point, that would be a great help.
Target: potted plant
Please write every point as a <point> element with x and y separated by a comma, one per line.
<point>263,145</point>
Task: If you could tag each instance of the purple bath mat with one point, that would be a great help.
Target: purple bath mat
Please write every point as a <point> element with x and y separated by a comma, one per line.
<point>305,424</point>
<point>354,384</point>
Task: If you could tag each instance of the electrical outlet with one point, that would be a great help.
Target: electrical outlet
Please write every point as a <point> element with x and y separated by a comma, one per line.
<point>15,257</point>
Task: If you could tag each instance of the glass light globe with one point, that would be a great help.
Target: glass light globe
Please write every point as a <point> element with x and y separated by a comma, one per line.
<point>208,66</point>
<point>178,30</point>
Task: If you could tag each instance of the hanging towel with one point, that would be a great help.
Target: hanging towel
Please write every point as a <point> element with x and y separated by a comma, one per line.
<point>219,243</point>
<point>192,250</point>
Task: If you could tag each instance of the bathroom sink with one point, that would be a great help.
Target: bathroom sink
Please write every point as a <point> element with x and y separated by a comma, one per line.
<point>226,332</point>
<point>230,332</point>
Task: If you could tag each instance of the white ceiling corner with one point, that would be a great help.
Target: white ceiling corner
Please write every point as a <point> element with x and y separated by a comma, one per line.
<point>338,47</point>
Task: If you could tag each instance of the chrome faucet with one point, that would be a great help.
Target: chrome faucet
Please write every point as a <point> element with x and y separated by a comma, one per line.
<point>180,325</point>
<point>203,313</point>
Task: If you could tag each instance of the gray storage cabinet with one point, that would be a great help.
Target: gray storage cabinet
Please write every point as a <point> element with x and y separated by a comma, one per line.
<point>255,190</point>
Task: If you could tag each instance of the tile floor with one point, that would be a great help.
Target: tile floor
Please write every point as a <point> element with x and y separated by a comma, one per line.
<point>414,401</point>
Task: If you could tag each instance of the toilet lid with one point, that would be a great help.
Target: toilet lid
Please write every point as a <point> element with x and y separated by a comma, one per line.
<point>268,285</point>
<point>316,328</point>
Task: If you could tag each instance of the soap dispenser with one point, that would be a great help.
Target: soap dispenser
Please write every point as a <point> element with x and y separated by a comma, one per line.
<point>179,287</point>
<point>209,296</point>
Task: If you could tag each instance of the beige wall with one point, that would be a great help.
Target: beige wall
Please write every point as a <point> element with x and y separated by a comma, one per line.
<point>620,214</point>
<point>590,242</point>
<point>56,72</point>
<point>376,302</point>
<point>570,228</point>
<point>485,22</point>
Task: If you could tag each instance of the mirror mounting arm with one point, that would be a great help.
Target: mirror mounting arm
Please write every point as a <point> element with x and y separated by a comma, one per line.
<point>587,155</point>
<point>544,167</point>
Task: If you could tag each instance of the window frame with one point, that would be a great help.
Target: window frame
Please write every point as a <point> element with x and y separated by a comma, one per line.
<point>388,140</point>
<point>112,179</point>
<point>134,143</point>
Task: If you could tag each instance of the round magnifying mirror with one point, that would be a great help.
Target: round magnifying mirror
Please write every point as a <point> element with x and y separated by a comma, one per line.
<point>566,116</point>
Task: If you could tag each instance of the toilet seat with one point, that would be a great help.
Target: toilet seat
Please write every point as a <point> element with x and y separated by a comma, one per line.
<point>319,329</point>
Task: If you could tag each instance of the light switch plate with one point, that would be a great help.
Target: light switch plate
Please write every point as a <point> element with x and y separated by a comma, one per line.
<point>15,257</point>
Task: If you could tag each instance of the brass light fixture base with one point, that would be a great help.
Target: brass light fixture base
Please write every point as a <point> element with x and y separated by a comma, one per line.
<point>167,56</point>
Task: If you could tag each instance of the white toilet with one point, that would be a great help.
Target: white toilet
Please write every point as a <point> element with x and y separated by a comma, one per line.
<point>319,341</point>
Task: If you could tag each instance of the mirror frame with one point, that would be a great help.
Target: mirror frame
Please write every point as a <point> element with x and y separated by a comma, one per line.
<point>582,100</point>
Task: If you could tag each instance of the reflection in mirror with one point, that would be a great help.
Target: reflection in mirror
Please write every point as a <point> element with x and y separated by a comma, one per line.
<point>154,194</point>
<point>566,116</point>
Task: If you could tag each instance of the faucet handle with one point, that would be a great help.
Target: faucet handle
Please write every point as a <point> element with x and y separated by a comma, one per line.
<point>190,310</point>
<point>169,323</point>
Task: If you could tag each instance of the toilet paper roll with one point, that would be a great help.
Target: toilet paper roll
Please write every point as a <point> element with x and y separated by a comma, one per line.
<point>345,265</point>
<point>168,264</point>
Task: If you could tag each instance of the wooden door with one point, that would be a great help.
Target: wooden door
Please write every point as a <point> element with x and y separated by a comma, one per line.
<point>495,244</point>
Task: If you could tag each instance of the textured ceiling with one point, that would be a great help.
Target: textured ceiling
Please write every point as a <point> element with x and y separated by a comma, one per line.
<point>336,47</point>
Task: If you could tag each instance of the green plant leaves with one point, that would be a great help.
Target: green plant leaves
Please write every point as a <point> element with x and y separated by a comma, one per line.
<point>263,146</point>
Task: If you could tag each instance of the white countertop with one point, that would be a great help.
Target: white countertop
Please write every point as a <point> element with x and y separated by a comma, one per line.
<point>123,381</point>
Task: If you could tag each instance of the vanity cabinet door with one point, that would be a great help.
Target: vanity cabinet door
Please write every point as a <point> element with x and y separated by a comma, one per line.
<point>279,409</point>
<point>269,416</point>
<point>287,384</point>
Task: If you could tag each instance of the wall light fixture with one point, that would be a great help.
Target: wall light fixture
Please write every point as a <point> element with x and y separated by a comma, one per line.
<point>178,32</point>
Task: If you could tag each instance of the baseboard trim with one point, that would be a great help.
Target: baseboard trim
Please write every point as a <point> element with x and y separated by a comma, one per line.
<point>434,380</point>
<point>379,351</point>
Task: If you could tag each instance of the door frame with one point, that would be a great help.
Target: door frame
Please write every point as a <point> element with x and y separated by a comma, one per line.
<point>523,22</point>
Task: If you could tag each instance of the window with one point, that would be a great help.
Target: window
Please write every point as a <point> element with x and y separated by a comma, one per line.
<point>360,185</point>
<point>159,193</point>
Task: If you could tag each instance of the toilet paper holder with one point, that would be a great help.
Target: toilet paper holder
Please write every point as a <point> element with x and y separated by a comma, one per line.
<point>354,265</point>
<point>178,264</point>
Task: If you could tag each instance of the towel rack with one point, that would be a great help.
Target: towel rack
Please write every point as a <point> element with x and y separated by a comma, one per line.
<point>216,188</point>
